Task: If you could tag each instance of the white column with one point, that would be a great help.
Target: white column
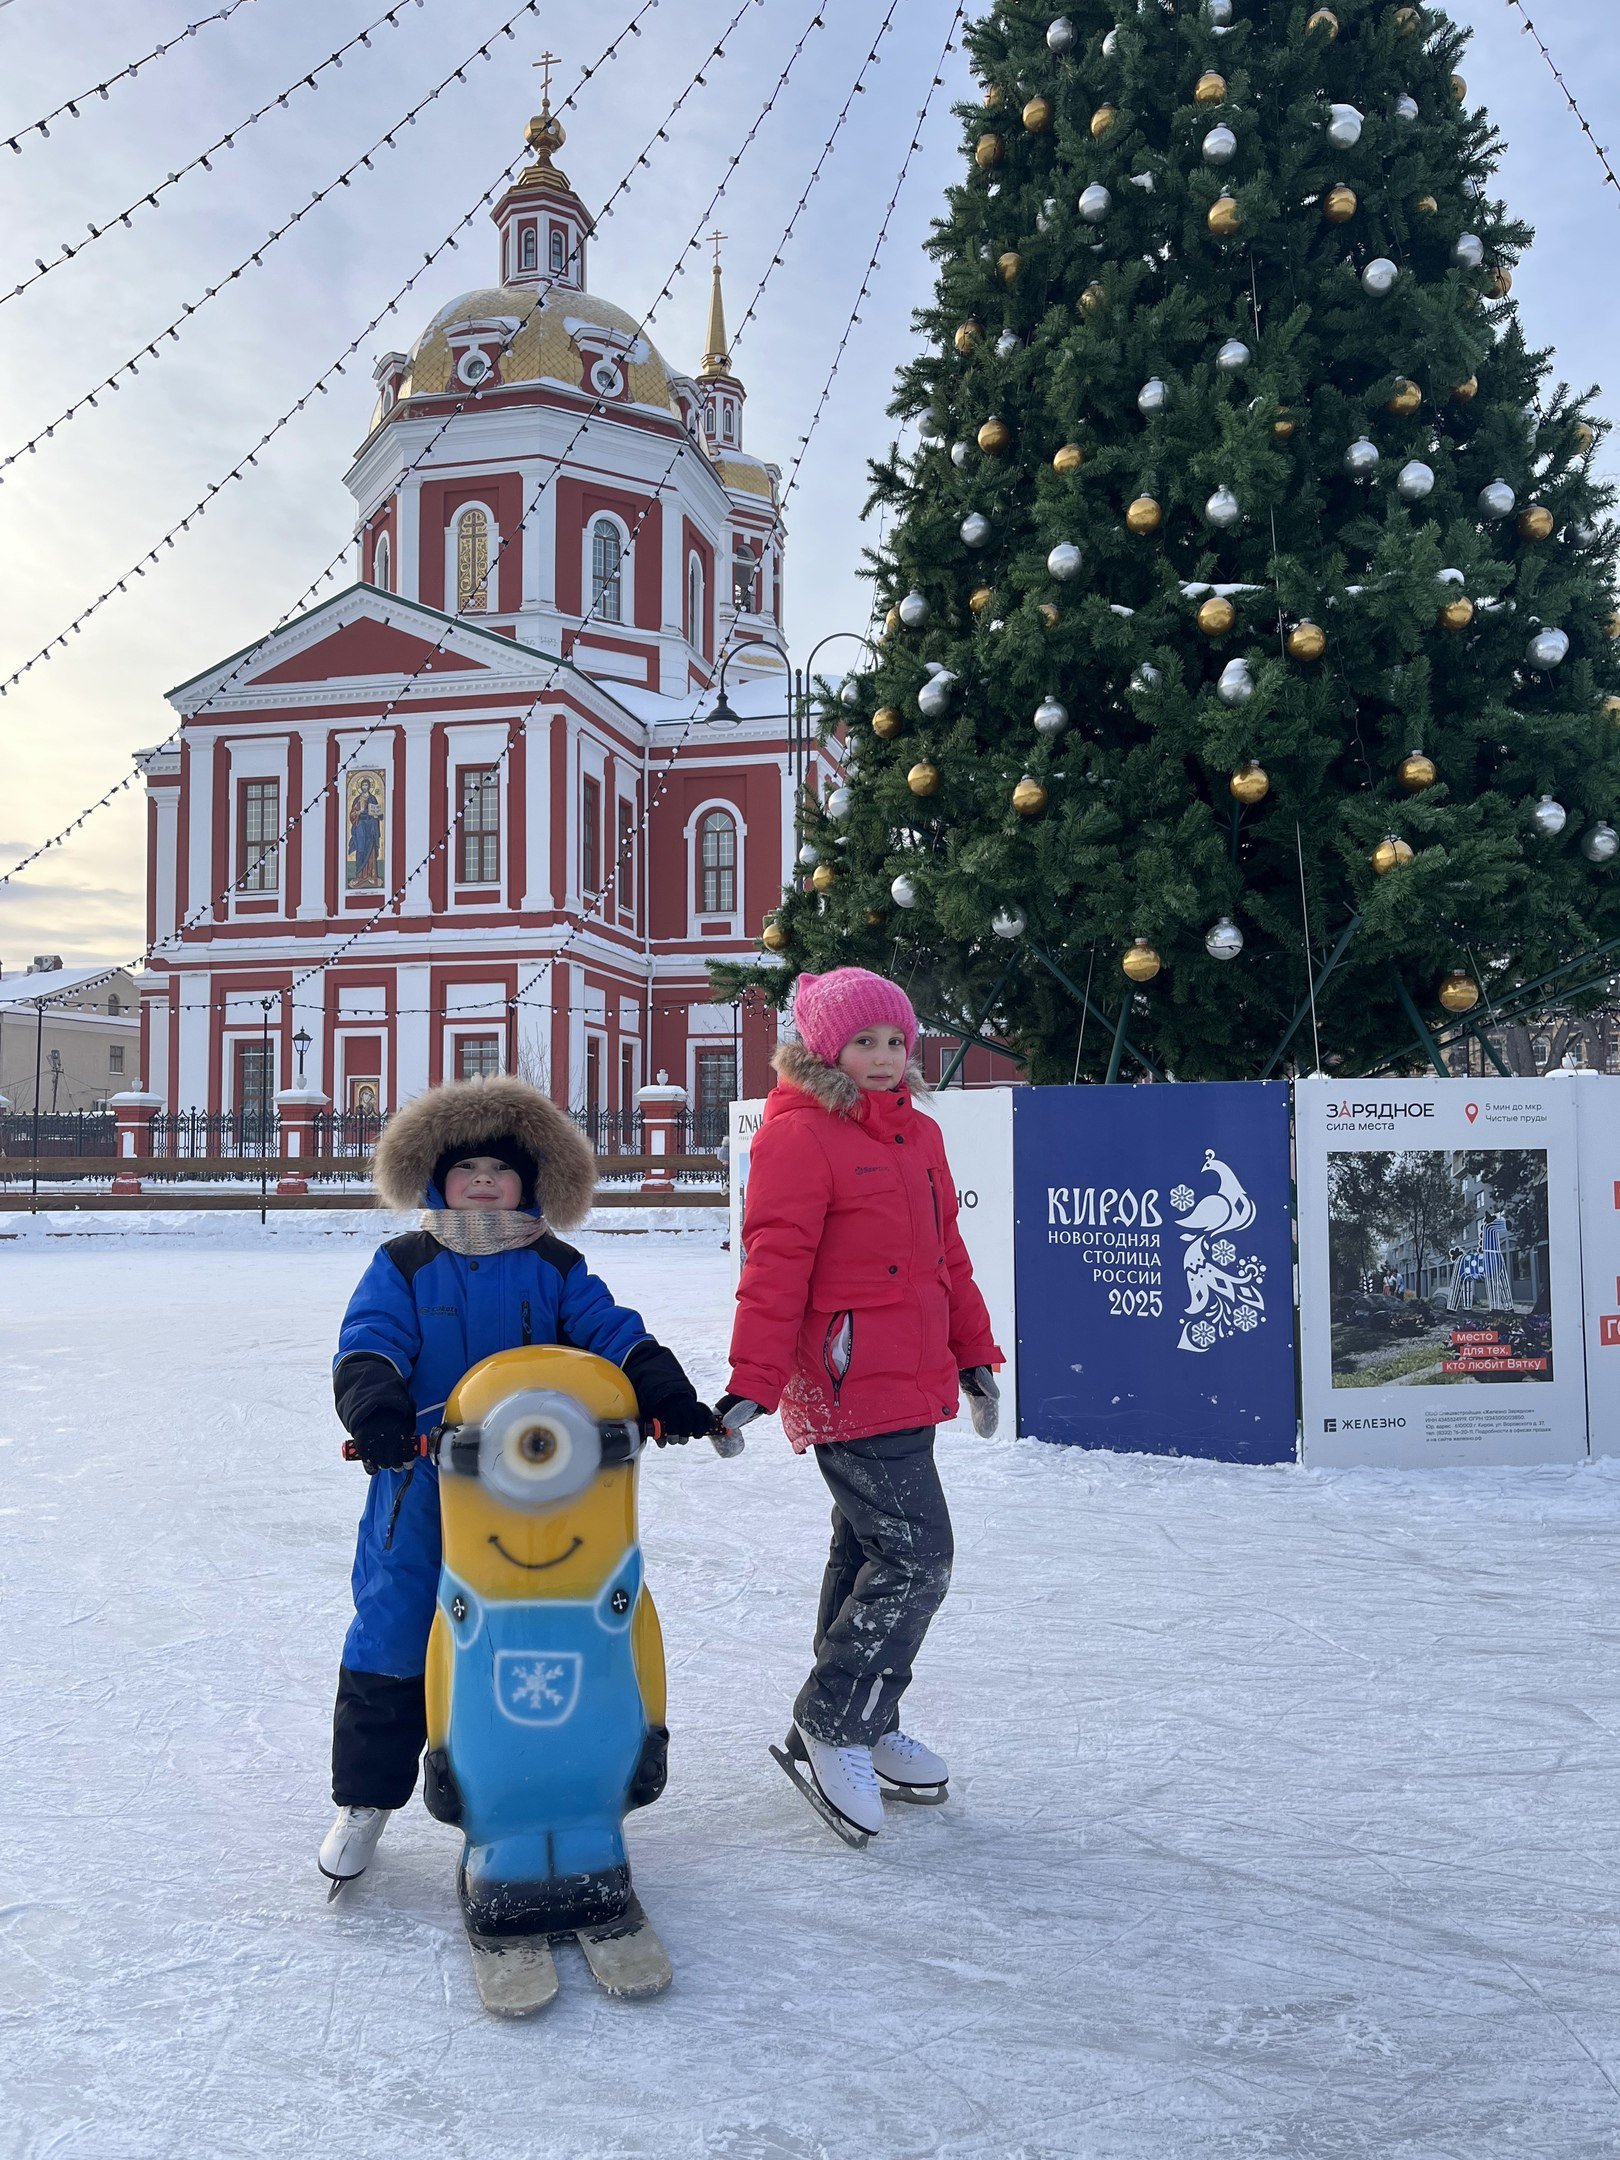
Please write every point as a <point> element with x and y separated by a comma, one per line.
<point>539,544</point>
<point>202,891</point>
<point>311,835</point>
<point>413,1030</point>
<point>537,812</point>
<point>191,1084</point>
<point>407,549</point>
<point>418,781</point>
<point>165,860</point>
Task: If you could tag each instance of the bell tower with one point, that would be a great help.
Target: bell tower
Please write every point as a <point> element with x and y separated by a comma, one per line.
<point>722,393</point>
<point>543,224</point>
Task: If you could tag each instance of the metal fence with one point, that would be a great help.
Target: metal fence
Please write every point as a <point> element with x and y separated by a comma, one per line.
<point>61,1133</point>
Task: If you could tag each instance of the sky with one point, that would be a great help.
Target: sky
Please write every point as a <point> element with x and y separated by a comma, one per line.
<point>81,509</point>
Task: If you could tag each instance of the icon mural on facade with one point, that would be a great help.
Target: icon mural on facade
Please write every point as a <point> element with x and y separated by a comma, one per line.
<point>365,802</point>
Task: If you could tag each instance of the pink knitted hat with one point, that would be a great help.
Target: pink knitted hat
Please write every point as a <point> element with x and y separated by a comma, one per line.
<point>829,1009</point>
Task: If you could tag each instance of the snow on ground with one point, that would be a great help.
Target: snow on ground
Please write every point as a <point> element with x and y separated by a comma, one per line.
<point>1285,1819</point>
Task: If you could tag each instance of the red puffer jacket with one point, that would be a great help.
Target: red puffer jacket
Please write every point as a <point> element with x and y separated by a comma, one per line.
<point>857,1306</point>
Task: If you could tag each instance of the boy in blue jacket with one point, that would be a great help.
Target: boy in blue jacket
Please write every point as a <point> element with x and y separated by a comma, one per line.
<point>496,1167</point>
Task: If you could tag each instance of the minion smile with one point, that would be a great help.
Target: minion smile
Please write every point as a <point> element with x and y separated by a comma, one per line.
<point>536,1565</point>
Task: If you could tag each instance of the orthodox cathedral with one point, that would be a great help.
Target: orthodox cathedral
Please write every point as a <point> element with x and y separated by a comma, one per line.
<point>484,810</point>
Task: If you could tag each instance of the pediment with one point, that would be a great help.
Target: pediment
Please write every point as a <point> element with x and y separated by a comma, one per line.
<point>366,647</point>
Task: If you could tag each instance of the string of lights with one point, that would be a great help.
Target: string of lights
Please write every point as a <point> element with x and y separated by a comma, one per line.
<point>320,387</point>
<point>473,397</point>
<point>169,335</point>
<point>203,162</point>
<point>1610,179</point>
<point>70,108</point>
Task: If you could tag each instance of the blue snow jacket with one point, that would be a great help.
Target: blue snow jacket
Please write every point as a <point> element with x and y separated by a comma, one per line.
<point>420,1318</point>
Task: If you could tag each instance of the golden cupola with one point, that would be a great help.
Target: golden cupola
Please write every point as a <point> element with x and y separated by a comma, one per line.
<point>544,227</point>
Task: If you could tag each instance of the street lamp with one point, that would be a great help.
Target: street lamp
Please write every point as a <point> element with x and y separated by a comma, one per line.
<point>301,1043</point>
<point>799,718</point>
<point>721,710</point>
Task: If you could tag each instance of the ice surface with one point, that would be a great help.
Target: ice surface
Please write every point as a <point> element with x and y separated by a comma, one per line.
<point>1285,1817</point>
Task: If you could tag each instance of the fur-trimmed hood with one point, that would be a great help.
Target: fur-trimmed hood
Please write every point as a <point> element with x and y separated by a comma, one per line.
<point>827,1084</point>
<point>462,1113</point>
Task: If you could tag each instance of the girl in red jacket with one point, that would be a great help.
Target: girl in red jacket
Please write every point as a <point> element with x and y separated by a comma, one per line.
<point>858,1317</point>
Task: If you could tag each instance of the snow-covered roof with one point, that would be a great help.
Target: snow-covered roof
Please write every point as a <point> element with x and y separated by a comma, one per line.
<point>25,991</point>
<point>753,697</point>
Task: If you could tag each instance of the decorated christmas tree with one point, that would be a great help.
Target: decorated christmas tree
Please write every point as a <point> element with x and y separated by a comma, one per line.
<point>1250,619</point>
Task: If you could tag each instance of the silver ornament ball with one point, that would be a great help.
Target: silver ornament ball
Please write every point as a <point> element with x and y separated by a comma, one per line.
<point>1223,509</point>
<point>1414,480</point>
<point>1496,500</point>
<point>1153,396</point>
<point>1095,203</point>
<point>960,454</point>
<point>1220,146</point>
<point>1009,921</point>
<point>902,892</point>
<point>1064,561</point>
<point>1234,354</point>
<point>1344,128</point>
<point>1236,685</point>
<point>1469,252</point>
<point>1147,677</point>
<point>1224,941</point>
<point>1600,843</point>
<point>1051,716</point>
<point>809,855</point>
<point>975,529</point>
<point>1547,649</point>
<point>1110,44</point>
<point>1405,108</point>
<point>1379,277</point>
<point>1549,817</point>
<point>1060,35</point>
<point>837,802</point>
<point>1219,12</point>
<point>934,698</point>
<point>1361,459</point>
<point>914,610</point>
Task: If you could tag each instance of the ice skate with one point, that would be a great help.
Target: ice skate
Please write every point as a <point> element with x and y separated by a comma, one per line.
<point>838,1782</point>
<point>347,1848</point>
<point>909,1770</point>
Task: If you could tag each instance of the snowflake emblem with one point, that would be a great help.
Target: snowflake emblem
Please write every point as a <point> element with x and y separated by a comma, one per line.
<point>1181,1198</point>
<point>542,1685</point>
<point>536,1688</point>
<point>1245,1318</point>
<point>1223,1252</point>
<point>1203,1333</point>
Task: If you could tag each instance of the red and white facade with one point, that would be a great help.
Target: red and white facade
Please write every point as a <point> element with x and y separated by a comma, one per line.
<point>469,815</point>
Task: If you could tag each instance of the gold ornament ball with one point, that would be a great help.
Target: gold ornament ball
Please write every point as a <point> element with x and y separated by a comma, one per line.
<point>1284,426</point>
<point>1140,962</point>
<point>980,598</point>
<point>1051,614</point>
<point>1426,206</point>
<point>1216,616</point>
<point>1038,115</point>
<point>1466,392</point>
<point>1251,783</point>
<point>1536,522</point>
<point>1405,398</point>
<point>1501,282</point>
<point>1029,797</point>
<point>1307,641</point>
<point>993,99</point>
<point>824,877</point>
<point>1611,628</point>
<point>1094,298</point>
<point>1459,88</point>
<point>1069,459</point>
<point>773,937</point>
<point>891,622</point>
<point>1340,204</point>
<point>1585,435</point>
<point>1390,854</point>
<point>1611,706</point>
<point>994,436</point>
<point>1408,21</point>
<point>967,337</point>
<point>1324,19</point>
<point>1009,265</point>
<point>988,152</point>
<point>1225,218</point>
<point>888,722</point>
<point>1102,120</point>
<point>1459,993</point>
<point>1456,614</point>
<point>1210,89</point>
<point>1144,515</point>
<point>923,778</point>
<point>1417,772</point>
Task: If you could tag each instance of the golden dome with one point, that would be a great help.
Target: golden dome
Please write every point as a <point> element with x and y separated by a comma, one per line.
<point>542,351</point>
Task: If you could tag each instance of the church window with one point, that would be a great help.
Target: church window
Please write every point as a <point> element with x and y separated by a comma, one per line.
<point>717,864</point>
<point>745,579</point>
<point>115,1058</point>
<point>593,1083</point>
<point>626,879</point>
<point>478,1057</point>
<point>255,1077</point>
<point>480,825</point>
<point>382,565</point>
<point>694,602</point>
<point>716,1076</point>
<point>115,1004</point>
<point>559,249</point>
<point>528,254</point>
<point>472,562</point>
<point>728,425</point>
<point>590,834</point>
<point>607,571</point>
<point>259,833</point>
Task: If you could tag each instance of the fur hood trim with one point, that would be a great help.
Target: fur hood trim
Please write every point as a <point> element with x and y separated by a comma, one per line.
<point>463,1112</point>
<point>827,1084</point>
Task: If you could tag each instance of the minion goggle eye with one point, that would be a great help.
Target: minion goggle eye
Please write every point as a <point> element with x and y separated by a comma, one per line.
<point>537,1447</point>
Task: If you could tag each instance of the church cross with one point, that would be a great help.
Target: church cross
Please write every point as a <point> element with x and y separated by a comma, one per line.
<point>547,61</point>
<point>715,239</point>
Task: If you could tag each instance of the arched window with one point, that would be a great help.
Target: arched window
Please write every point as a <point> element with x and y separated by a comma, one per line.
<point>607,571</point>
<point>728,424</point>
<point>115,1004</point>
<point>559,248</point>
<point>745,578</point>
<point>694,601</point>
<point>472,563</point>
<point>717,863</point>
<point>381,564</point>
<point>528,253</point>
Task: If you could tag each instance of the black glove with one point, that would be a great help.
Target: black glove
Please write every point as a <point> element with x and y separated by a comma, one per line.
<point>984,1399</point>
<point>665,1396</point>
<point>682,1419</point>
<point>376,1408</point>
<point>383,1443</point>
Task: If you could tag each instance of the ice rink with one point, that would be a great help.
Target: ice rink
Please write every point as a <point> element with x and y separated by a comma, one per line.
<point>1285,1817</point>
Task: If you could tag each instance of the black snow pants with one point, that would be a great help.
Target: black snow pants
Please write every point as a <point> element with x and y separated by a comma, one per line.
<point>887,1575</point>
<point>379,1729</point>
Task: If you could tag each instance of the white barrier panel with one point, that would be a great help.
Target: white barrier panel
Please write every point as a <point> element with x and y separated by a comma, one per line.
<point>1440,1274</point>
<point>1597,1119</point>
<point>977,1125</point>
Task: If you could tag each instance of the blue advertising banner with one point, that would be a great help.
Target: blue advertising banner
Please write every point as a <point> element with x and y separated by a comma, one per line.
<point>1154,1252</point>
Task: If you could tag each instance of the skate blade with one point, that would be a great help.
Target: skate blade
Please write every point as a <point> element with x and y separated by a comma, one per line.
<point>515,1974</point>
<point>335,1883</point>
<point>916,1795</point>
<point>836,1823</point>
<point>625,1956</point>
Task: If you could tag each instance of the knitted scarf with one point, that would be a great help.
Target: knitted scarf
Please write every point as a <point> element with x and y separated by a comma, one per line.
<point>477,1232</point>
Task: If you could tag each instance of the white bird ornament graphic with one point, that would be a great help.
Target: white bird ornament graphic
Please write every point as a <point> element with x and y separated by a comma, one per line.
<point>1223,1291</point>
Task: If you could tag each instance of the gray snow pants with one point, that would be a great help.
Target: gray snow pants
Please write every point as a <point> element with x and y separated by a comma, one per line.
<point>887,1575</point>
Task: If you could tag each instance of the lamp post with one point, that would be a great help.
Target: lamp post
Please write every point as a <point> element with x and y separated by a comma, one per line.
<point>264,1105</point>
<point>799,719</point>
<point>301,1043</point>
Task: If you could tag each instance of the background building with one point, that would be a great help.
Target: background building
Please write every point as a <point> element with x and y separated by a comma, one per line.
<point>85,1040</point>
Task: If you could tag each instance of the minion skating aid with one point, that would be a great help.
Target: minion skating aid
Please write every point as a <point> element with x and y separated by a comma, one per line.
<point>545,1671</point>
